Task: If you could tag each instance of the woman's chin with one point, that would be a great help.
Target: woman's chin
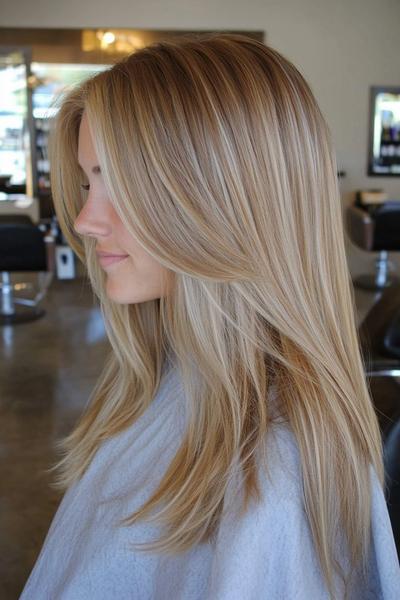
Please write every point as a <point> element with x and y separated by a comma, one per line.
<point>117,292</point>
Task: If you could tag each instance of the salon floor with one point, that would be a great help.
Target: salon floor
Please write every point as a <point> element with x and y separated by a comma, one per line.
<point>47,370</point>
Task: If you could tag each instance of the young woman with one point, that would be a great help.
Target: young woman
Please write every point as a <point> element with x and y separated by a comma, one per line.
<point>230,449</point>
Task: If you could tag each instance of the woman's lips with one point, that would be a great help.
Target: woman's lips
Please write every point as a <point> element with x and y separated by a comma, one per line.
<point>105,261</point>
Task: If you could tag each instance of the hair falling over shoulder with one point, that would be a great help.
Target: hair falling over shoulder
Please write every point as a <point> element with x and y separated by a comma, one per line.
<point>218,159</point>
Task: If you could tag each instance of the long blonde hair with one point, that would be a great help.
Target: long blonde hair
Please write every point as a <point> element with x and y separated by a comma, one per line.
<point>218,160</point>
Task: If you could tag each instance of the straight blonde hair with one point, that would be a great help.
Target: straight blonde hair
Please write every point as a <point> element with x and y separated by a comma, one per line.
<point>218,160</point>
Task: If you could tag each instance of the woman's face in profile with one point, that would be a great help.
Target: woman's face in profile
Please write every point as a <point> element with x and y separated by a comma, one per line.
<point>134,277</point>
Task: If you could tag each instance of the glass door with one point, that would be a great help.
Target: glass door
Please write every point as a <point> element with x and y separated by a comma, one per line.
<point>16,125</point>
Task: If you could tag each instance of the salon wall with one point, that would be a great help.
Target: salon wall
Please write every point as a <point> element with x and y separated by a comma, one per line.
<point>341,47</point>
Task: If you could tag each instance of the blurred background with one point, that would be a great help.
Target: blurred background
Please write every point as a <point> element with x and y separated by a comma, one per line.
<point>52,337</point>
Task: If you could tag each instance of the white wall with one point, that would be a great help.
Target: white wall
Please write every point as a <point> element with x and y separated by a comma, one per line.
<point>340,46</point>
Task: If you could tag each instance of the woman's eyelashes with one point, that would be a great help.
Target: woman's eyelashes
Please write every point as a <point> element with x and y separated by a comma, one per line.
<point>85,186</point>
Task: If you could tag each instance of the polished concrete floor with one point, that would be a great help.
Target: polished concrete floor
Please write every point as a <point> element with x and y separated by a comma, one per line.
<point>47,370</point>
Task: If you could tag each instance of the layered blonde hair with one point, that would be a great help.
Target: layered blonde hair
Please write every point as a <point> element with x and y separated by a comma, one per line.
<point>218,160</point>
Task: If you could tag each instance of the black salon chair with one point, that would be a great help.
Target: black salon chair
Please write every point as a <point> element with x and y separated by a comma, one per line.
<point>380,342</point>
<point>375,228</point>
<point>24,247</point>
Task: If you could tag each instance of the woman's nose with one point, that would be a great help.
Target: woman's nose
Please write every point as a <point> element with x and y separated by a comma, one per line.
<point>92,221</point>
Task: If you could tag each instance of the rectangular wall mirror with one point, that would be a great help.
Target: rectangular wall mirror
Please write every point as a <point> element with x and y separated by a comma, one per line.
<point>384,134</point>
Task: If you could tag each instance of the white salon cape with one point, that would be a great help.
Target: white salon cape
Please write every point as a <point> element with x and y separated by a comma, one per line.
<point>268,555</point>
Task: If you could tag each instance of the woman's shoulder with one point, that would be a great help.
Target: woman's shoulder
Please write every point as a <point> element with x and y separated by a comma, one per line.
<point>278,473</point>
<point>271,545</point>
